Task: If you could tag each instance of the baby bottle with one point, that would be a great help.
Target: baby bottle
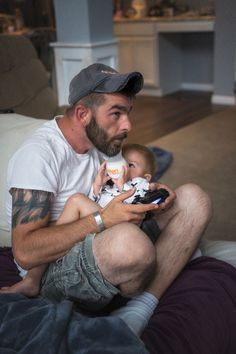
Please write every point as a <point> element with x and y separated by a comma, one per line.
<point>114,165</point>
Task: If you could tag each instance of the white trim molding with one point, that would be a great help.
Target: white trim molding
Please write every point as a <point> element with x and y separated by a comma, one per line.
<point>192,86</point>
<point>186,26</point>
<point>225,100</point>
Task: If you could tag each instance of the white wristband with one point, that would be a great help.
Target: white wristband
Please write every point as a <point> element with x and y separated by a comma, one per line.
<point>99,221</point>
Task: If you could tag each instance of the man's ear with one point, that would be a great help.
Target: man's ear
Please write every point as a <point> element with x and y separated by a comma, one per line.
<point>148,177</point>
<point>83,114</point>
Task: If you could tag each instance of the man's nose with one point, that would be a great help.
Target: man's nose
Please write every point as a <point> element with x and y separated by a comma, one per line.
<point>126,124</point>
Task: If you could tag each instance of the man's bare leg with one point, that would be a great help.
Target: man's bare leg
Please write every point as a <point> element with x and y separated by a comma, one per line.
<point>126,257</point>
<point>183,226</point>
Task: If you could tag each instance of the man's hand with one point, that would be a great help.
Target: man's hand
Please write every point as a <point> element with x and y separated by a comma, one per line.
<point>117,212</point>
<point>169,200</point>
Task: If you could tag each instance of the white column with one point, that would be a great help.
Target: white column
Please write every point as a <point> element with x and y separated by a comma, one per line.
<point>85,36</point>
<point>70,58</point>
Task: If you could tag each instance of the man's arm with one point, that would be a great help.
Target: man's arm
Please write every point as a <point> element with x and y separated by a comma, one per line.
<point>34,241</point>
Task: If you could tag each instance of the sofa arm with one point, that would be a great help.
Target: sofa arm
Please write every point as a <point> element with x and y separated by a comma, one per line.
<point>5,238</point>
<point>14,129</point>
<point>219,249</point>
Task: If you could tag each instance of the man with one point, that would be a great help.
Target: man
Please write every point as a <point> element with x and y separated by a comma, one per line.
<point>63,158</point>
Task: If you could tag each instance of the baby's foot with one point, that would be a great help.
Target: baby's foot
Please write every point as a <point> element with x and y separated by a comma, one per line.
<point>26,287</point>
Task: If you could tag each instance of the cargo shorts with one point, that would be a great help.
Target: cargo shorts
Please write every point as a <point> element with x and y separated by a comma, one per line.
<point>76,277</point>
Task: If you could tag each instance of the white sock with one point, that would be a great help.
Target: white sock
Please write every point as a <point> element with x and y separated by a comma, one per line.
<point>137,312</point>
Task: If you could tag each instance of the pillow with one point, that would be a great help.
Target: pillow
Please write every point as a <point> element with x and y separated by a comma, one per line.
<point>163,158</point>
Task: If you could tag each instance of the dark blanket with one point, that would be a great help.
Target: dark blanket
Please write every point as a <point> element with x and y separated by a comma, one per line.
<point>35,326</point>
<point>9,273</point>
<point>197,315</point>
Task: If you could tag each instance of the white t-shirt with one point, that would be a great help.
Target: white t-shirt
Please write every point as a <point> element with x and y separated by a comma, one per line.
<point>47,162</point>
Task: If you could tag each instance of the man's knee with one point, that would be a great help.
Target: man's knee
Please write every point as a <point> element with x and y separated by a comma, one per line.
<point>126,256</point>
<point>194,199</point>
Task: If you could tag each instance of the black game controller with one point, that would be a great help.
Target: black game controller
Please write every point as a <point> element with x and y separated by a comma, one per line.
<point>152,197</point>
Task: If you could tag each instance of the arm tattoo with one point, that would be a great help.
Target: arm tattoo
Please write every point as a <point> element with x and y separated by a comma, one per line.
<point>29,205</point>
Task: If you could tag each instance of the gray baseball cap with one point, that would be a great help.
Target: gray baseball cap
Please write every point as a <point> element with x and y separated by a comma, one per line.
<point>101,78</point>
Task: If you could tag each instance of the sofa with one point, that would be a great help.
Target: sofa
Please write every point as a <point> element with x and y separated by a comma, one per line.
<point>196,315</point>
<point>25,84</point>
<point>14,129</point>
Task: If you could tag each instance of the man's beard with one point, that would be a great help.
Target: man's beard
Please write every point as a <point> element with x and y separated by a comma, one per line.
<point>100,140</point>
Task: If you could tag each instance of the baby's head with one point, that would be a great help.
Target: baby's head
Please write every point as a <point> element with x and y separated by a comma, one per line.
<point>140,159</point>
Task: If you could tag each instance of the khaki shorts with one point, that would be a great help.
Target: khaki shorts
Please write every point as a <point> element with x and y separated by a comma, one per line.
<point>77,277</point>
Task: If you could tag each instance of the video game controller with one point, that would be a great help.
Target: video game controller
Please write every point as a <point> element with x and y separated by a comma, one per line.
<point>152,197</point>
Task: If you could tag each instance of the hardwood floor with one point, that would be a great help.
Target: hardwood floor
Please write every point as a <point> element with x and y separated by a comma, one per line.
<point>153,117</point>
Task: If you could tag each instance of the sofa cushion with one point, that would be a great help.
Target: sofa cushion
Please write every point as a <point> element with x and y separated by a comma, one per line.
<point>24,81</point>
<point>14,129</point>
<point>15,51</point>
<point>34,104</point>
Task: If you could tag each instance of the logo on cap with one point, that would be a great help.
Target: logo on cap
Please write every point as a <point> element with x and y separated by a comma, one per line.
<point>108,72</point>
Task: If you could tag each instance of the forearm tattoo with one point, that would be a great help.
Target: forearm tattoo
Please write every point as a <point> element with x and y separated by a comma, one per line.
<point>29,205</point>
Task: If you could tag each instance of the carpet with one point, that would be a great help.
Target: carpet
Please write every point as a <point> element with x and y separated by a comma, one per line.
<point>204,153</point>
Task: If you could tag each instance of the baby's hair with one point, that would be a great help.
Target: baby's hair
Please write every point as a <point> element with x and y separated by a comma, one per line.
<point>151,162</point>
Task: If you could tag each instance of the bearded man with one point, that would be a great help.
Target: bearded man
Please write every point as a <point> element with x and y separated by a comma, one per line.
<point>104,253</point>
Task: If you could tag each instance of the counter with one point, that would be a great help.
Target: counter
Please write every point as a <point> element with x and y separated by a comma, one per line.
<point>161,49</point>
<point>175,23</point>
<point>183,17</point>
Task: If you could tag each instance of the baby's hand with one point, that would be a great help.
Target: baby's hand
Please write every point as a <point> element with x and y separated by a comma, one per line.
<point>101,179</point>
<point>122,179</point>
